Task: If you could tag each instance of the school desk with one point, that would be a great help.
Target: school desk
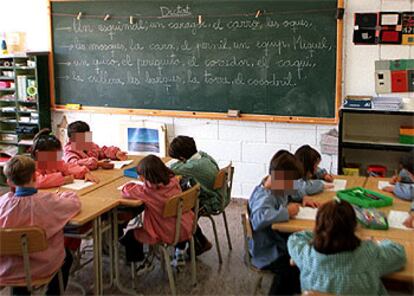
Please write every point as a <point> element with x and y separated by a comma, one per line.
<point>406,237</point>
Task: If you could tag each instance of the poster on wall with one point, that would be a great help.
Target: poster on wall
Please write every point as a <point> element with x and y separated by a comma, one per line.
<point>144,138</point>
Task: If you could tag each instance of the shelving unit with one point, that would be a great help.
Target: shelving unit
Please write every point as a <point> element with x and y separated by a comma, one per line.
<point>371,137</point>
<point>19,109</point>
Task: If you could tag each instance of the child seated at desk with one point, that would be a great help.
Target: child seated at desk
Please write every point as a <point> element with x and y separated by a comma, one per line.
<point>24,206</point>
<point>81,150</point>
<point>51,170</point>
<point>312,182</point>
<point>404,182</point>
<point>268,204</point>
<point>159,184</point>
<point>334,260</point>
<point>204,169</point>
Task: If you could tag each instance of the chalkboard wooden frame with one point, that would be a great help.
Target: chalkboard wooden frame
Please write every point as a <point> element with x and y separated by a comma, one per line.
<point>214,115</point>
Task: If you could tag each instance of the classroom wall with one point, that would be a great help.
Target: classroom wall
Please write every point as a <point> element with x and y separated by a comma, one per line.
<point>249,145</point>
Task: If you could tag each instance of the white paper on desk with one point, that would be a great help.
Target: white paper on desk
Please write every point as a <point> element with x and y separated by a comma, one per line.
<point>78,185</point>
<point>135,182</point>
<point>396,219</point>
<point>118,164</point>
<point>339,184</point>
<point>383,184</point>
<point>171,162</point>
<point>306,213</point>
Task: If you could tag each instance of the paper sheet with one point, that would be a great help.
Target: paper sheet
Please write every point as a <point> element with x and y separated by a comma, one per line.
<point>307,213</point>
<point>171,162</point>
<point>118,164</point>
<point>339,184</point>
<point>136,182</point>
<point>396,219</point>
<point>382,184</point>
<point>78,185</point>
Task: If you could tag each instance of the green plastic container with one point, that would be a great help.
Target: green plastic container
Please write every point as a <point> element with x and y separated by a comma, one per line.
<point>360,196</point>
<point>406,139</point>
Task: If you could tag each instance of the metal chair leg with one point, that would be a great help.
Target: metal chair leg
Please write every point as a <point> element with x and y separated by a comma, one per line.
<point>216,239</point>
<point>227,230</point>
<point>61,285</point>
<point>193,262</point>
<point>169,270</point>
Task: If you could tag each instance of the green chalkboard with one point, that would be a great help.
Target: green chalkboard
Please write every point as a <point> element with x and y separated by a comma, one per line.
<point>260,57</point>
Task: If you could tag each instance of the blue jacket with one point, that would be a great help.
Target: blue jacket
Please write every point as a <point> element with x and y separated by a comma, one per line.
<point>405,188</point>
<point>309,187</point>
<point>265,209</point>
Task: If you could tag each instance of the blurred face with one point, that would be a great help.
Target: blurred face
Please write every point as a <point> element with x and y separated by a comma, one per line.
<point>315,167</point>
<point>81,141</point>
<point>282,182</point>
<point>49,159</point>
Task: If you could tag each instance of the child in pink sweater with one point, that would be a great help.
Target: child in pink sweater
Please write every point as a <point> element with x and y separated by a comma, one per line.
<point>24,206</point>
<point>81,150</point>
<point>51,170</point>
<point>159,185</point>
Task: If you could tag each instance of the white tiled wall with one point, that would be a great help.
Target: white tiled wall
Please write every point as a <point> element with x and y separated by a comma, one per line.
<point>249,145</point>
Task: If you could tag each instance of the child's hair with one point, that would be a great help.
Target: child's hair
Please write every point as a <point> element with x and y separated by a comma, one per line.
<point>285,161</point>
<point>407,162</point>
<point>20,170</point>
<point>335,228</point>
<point>308,157</point>
<point>154,170</point>
<point>182,147</point>
<point>78,127</point>
<point>45,141</point>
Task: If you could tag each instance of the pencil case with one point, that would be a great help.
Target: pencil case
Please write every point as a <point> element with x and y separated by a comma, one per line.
<point>131,172</point>
<point>371,218</point>
<point>365,198</point>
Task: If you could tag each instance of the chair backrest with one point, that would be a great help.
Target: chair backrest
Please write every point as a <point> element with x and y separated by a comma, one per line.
<point>247,233</point>
<point>21,242</point>
<point>11,240</point>
<point>182,203</point>
<point>224,182</point>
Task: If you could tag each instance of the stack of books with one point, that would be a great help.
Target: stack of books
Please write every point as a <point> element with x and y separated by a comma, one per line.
<point>387,103</point>
<point>364,102</point>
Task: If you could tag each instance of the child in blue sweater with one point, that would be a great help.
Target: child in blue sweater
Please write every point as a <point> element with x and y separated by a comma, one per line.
<point>334,260</point>
<point>404,182</point>
<point>270,203</point>
<point>313,175</point>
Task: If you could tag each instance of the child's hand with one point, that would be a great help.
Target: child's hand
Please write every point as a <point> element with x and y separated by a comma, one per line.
<point>409,222</point>
<point>68,179</point>
<point>121,155</point>
<point>90,177</point>
<point>293,209</point>
<point>388,189</point>
<point>328,186</point>
<point>328,178</point>
<point>308,202</point>
<point>395,179</point>
<point>106,165</point>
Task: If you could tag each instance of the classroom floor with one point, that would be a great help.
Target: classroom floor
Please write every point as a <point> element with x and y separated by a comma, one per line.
<point>230,278</point>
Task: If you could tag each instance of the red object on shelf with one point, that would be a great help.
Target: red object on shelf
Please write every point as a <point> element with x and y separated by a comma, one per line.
<point>399,81</point>
<point>5,84</point>
<point>377,170</point>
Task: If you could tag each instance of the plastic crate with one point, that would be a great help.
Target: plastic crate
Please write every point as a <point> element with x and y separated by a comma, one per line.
<point>365,198</point>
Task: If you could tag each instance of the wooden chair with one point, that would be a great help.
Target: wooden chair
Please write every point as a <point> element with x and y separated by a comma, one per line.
<point>248,234</point>
<point>223,183</point>
<point>175,207</point>
<point>23,241</point>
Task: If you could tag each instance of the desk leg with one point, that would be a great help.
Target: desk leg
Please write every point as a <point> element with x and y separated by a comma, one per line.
<point>97,255</point>
<point>116,255</point>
